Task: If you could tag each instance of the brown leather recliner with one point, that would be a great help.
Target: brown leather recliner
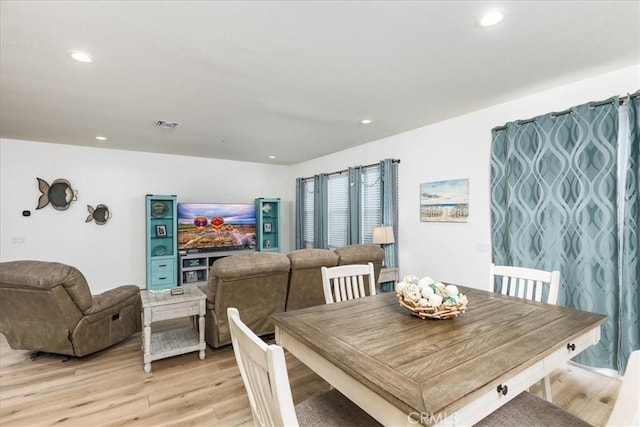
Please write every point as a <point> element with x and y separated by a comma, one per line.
<point>305,277</point>
<point>255,284</point>
<point>48,307</point>
<point>362,254</point>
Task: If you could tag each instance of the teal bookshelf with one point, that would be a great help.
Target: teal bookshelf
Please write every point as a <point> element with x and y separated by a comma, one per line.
<point>162,241</point>
<point>268,225</point>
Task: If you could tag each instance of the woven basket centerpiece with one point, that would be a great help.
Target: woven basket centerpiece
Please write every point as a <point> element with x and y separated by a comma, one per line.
<point>428,299</point>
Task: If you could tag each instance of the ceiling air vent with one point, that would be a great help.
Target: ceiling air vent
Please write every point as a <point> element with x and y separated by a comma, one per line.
<point>166,125</point>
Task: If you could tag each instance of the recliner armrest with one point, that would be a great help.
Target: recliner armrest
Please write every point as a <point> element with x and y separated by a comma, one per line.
<point>111,298</point>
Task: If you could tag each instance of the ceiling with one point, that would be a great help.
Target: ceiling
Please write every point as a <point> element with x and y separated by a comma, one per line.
<point>247,80</point>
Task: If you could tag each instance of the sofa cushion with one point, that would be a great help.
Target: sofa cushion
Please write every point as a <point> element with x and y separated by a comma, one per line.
<point>240,266</point>
<point>362,254</point>
<point>255,284</point>
<point>252,264</point>
<point>305,277</point>
<point>309,258</point>
<point>42,275</point>
<point>359,254</point>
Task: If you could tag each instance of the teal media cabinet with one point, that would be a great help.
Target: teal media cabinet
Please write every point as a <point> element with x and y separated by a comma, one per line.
<point>268,225</point>
<point>162,241</point>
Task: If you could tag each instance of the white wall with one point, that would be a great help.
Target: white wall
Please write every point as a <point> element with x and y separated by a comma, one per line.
<point>114,253</point>
<point>459,148</point>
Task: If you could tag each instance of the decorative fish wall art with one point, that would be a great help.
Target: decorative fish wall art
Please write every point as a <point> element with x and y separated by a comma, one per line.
<point>100,214</point>
<point>59,194</point>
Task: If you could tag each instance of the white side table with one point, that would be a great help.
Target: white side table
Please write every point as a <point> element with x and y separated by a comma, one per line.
<point>164,306</point>
<point>387,274</point>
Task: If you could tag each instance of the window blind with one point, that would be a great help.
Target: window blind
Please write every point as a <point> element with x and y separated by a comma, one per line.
<point>309,216</point>
<point>371,204</point>
<point>338,210</point>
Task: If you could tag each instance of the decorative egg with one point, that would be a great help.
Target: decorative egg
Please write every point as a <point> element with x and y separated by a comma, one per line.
<point>400,286</point>
<point>423,302</point>
<point>427,291</point>
<point>412,291</point>
<point>452,290</point>
<point>410,278</point>
<point>428,280</point>
<point>451,300</point>
<point>440,285</point>
<point>435,300</point>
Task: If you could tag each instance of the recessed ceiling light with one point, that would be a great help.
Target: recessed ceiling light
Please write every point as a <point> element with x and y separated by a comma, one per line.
<point>101,138</point>
<point>490,18</point>
<point>272,157</point>
<point>365,121</point>
<point>81,56</point>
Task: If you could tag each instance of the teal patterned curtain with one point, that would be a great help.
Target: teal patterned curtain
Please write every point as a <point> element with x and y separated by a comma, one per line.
<point>355,196</point>
<point>299,213</point>
<point>630,256</point>
<point>389,188</point>
<point>321,212</point>
<point>553,207</point>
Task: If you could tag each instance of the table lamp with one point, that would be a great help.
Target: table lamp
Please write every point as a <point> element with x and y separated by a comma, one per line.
<point>383,235</point>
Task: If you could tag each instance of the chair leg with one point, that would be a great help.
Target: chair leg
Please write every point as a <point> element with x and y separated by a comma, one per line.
<point>545,383</point>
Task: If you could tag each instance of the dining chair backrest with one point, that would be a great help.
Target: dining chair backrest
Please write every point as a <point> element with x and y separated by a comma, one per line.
<point>626,410</point>
<point>346,282</point>
<point>526,283</point>
<point>264,374</point>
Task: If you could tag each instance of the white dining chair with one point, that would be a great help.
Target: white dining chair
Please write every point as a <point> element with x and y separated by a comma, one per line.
<point>346,282</point>
<point>527,409</point>
<point>264,374</point>
<point>528,283</point>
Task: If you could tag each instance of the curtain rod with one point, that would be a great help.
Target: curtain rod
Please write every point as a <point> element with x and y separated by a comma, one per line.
<point>621,100</point>
<point>345,170</point>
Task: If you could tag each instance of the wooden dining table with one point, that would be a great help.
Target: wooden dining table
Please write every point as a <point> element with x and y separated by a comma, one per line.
<point>404,370</point>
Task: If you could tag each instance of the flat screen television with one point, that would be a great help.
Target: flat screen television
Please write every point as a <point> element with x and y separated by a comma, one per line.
<point>205,227</point>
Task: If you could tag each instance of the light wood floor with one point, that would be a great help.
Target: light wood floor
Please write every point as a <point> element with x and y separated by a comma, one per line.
<point>110,388</point>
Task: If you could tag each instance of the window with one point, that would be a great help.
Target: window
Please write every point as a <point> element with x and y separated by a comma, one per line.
<point>371,213</point>
<point>338,210</point>
<point>308,216</point>
<point>351,209</point>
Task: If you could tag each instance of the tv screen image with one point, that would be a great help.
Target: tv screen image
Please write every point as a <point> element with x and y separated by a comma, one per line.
<point>216,226</point>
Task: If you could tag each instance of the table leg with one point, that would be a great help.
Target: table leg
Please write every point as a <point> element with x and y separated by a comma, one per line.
<point>146,319</point>
<point>201,330</point>
<point>546,388</point>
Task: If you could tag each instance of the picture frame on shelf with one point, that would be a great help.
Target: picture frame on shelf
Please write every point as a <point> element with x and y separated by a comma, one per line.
<point>161,230</point>
<point>267,243</point>
<point>267,227</point>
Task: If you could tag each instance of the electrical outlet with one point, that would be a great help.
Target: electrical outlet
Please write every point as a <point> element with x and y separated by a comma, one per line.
<point>484,247</point>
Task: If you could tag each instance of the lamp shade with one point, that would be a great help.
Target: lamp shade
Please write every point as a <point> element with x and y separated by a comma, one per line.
<point>383,235</point>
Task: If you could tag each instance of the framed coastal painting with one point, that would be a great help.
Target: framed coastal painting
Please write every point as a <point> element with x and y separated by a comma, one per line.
<point>445,201</point>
